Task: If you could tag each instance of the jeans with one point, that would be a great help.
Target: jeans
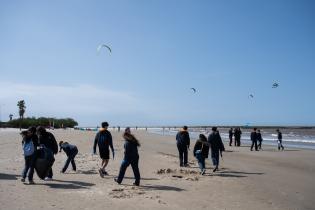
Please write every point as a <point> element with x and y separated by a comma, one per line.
<point>29,167</point>
<point>124,165</point>
<point>183,154</point>
<point>201,161</point>
<point>70,159</point>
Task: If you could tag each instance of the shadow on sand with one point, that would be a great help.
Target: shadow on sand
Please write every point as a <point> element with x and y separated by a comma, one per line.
<point>67,184</point>
<point>143,178</point>
<point>234,174</point>
<point>161,187</point>
<point>87,172</point>
<point>285,150</point>
<point>157,187</point>
<point>9,176</point>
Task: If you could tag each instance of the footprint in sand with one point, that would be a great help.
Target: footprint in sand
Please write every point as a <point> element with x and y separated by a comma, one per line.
<point>189,175</point>
<point>121,193</point>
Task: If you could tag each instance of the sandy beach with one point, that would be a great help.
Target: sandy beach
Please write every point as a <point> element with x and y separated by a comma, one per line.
<point>266,179</point>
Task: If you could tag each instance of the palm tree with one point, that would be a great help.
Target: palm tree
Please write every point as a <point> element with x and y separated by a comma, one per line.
<point>11,116</point>
<point>22,107</point>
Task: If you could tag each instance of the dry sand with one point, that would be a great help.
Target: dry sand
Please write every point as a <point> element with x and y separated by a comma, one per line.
<point>247,180</point>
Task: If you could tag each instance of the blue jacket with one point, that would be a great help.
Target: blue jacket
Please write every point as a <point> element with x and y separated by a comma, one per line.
<point>69,149</point>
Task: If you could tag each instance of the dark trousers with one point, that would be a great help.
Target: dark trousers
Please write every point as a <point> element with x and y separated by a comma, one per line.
<point>70,159</point>
<point>201,161</point>
<point>237,141</point>
<point>29,167</point>
<point>183,154</point>
<point>254,142</point>
<point>50,173</point>
<point>280,145</point>
<point>135,167</point>
<point>259,144</point>
<point>215,156</point>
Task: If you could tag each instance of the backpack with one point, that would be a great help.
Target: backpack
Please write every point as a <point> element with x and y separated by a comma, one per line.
<point>28,148</point>
<point>102,141</point>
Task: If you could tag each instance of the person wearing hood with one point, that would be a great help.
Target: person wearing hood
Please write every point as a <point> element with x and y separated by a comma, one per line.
<point>103,140</point>
<point>201,152</point>
<point>71,151</point>
<point>48,140</point>
<point>183,142</point>
<point>131,157</point>
<point>217,147</point>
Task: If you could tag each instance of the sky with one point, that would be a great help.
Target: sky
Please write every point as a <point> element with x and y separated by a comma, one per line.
<point>225,49</point>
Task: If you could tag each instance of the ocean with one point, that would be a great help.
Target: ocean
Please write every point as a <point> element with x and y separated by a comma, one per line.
<point>291,137</point>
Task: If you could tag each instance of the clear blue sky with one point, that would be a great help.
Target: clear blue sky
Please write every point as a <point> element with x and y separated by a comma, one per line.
<point>160,49</point>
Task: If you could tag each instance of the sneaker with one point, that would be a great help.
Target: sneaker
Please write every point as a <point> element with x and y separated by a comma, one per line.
<point>48,179</point>
<point>136,184</point>
<point>31,182</point>
<point>116,180</point>
<point>23,180</point>
<point>101,172</point>
<point>203,171</point>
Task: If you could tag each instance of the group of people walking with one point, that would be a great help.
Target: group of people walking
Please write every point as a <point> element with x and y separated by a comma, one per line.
<point>104,141</point>
<point>201,148</point>
<point>36,138</point>
<point>257,139</point>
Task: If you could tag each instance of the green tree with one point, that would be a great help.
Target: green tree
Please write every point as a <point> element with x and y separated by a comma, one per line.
<point>22,107</point>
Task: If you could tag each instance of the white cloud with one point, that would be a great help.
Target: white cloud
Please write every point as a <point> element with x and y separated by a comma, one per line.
<point>64,101</point>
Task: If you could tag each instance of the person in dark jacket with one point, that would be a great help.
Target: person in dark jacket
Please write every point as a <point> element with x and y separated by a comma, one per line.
<point>280,140</point>
<point>48,140</point>
<point>217,147</point>
<point>103,140</point>
<point>183,142</point>
<point>131,157</point>
<point>237,136</point>
<point>231,136</point>
<point>201,152</point>
<point>253,138</point>
<point>71,151</point>
<point>259,139</point>
<point>29,156</point>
